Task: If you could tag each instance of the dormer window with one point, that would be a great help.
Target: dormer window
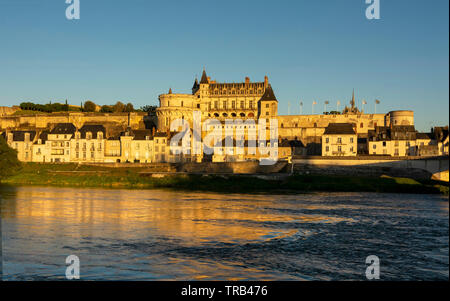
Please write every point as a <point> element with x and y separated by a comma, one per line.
<point>88,135</point>
<point>100,135</point>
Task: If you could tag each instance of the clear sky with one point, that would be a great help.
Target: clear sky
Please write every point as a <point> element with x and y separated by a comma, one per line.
<point>134,50</point>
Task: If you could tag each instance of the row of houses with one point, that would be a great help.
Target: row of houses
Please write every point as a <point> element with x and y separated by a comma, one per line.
<point>340,139</point>
<point>90,144</point>
<point>65,143</point>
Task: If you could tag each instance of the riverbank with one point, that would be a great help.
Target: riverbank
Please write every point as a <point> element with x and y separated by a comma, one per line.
<point>73,175</point>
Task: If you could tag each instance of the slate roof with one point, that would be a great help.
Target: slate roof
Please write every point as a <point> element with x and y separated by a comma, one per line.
<point>204,79</point>
<point>20,135</point>
<point>340,128</point>
<point>64,128</point>
<point>268,94</point>
<point>92,128</point>
<point>424,136</point>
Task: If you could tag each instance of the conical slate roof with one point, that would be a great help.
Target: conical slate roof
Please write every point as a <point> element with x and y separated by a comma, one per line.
<point>204,79</point>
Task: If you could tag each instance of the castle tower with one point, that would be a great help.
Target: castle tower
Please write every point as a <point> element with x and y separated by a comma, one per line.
<point>268,104</point>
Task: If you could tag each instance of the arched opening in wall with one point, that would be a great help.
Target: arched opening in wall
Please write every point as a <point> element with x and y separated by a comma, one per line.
<point>242,114</point>
<point>282,125</point>
<point>225,115</point>
<point>251,115</point>
<point>233,115</point>
<point>209,115</point>
<point>315,124</point>
<point>216,114</point>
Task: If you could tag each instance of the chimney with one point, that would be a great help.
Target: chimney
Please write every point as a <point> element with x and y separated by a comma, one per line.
<point>209,79</point>
<point>266,81</point>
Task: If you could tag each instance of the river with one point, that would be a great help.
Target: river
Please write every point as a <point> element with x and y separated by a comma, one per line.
<point>173,235</point>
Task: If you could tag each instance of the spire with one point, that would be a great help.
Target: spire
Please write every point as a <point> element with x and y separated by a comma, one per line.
<point>268,94</point>
<point>204,79</point>
<point>353,99</point>
<point>195,84</point>
<point>170,91</point>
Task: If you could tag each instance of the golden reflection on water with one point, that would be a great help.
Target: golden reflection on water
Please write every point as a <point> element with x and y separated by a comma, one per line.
<point>128,214</point>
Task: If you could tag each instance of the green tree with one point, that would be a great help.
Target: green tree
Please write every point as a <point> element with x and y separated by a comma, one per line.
<point>129,108</point>
<point>9,163</point>
<point>89,106</point>
<point>107,109</point>
<point>149,109</point>
<point>119,107</point>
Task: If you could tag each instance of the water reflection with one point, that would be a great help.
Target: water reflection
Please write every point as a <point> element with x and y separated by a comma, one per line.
<point>153,234</point>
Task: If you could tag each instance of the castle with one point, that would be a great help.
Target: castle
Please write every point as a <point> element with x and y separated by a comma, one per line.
<point>147,139</point>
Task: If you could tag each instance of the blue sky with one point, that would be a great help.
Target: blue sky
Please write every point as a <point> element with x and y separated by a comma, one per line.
<point>134,50</point>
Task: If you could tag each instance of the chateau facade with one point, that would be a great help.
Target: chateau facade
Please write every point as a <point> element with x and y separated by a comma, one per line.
<point>110,138</point>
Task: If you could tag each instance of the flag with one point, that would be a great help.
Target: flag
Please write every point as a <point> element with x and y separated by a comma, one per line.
<point>327,102</point>
<point>338,102</point>
<point>364,102</point>
<point>377,101</point>
<point>301,103</point>
<point>315,102</point>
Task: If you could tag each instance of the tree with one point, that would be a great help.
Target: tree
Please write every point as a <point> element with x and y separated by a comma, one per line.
<point>149,109</point>
<point>9,163</point>
<point>89,106</point>
<point>129,108</point>
<point>119,107</point>
<point>107,109</point>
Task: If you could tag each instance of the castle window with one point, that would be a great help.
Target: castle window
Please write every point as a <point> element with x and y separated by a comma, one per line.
<point>224,104</point>
<point>282,125</point>
<point>267,105</point>
<point>327,140</point>
<point>361,125</point>
<point>198,106</point>
<point>233,104</point>
<point>242,104</point>
<point>251,104</point>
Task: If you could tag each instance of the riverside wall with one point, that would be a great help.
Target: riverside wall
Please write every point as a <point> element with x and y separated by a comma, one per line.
<point>419,168</point>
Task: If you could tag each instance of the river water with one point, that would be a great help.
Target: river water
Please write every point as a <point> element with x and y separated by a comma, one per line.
<point>164,235</point>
